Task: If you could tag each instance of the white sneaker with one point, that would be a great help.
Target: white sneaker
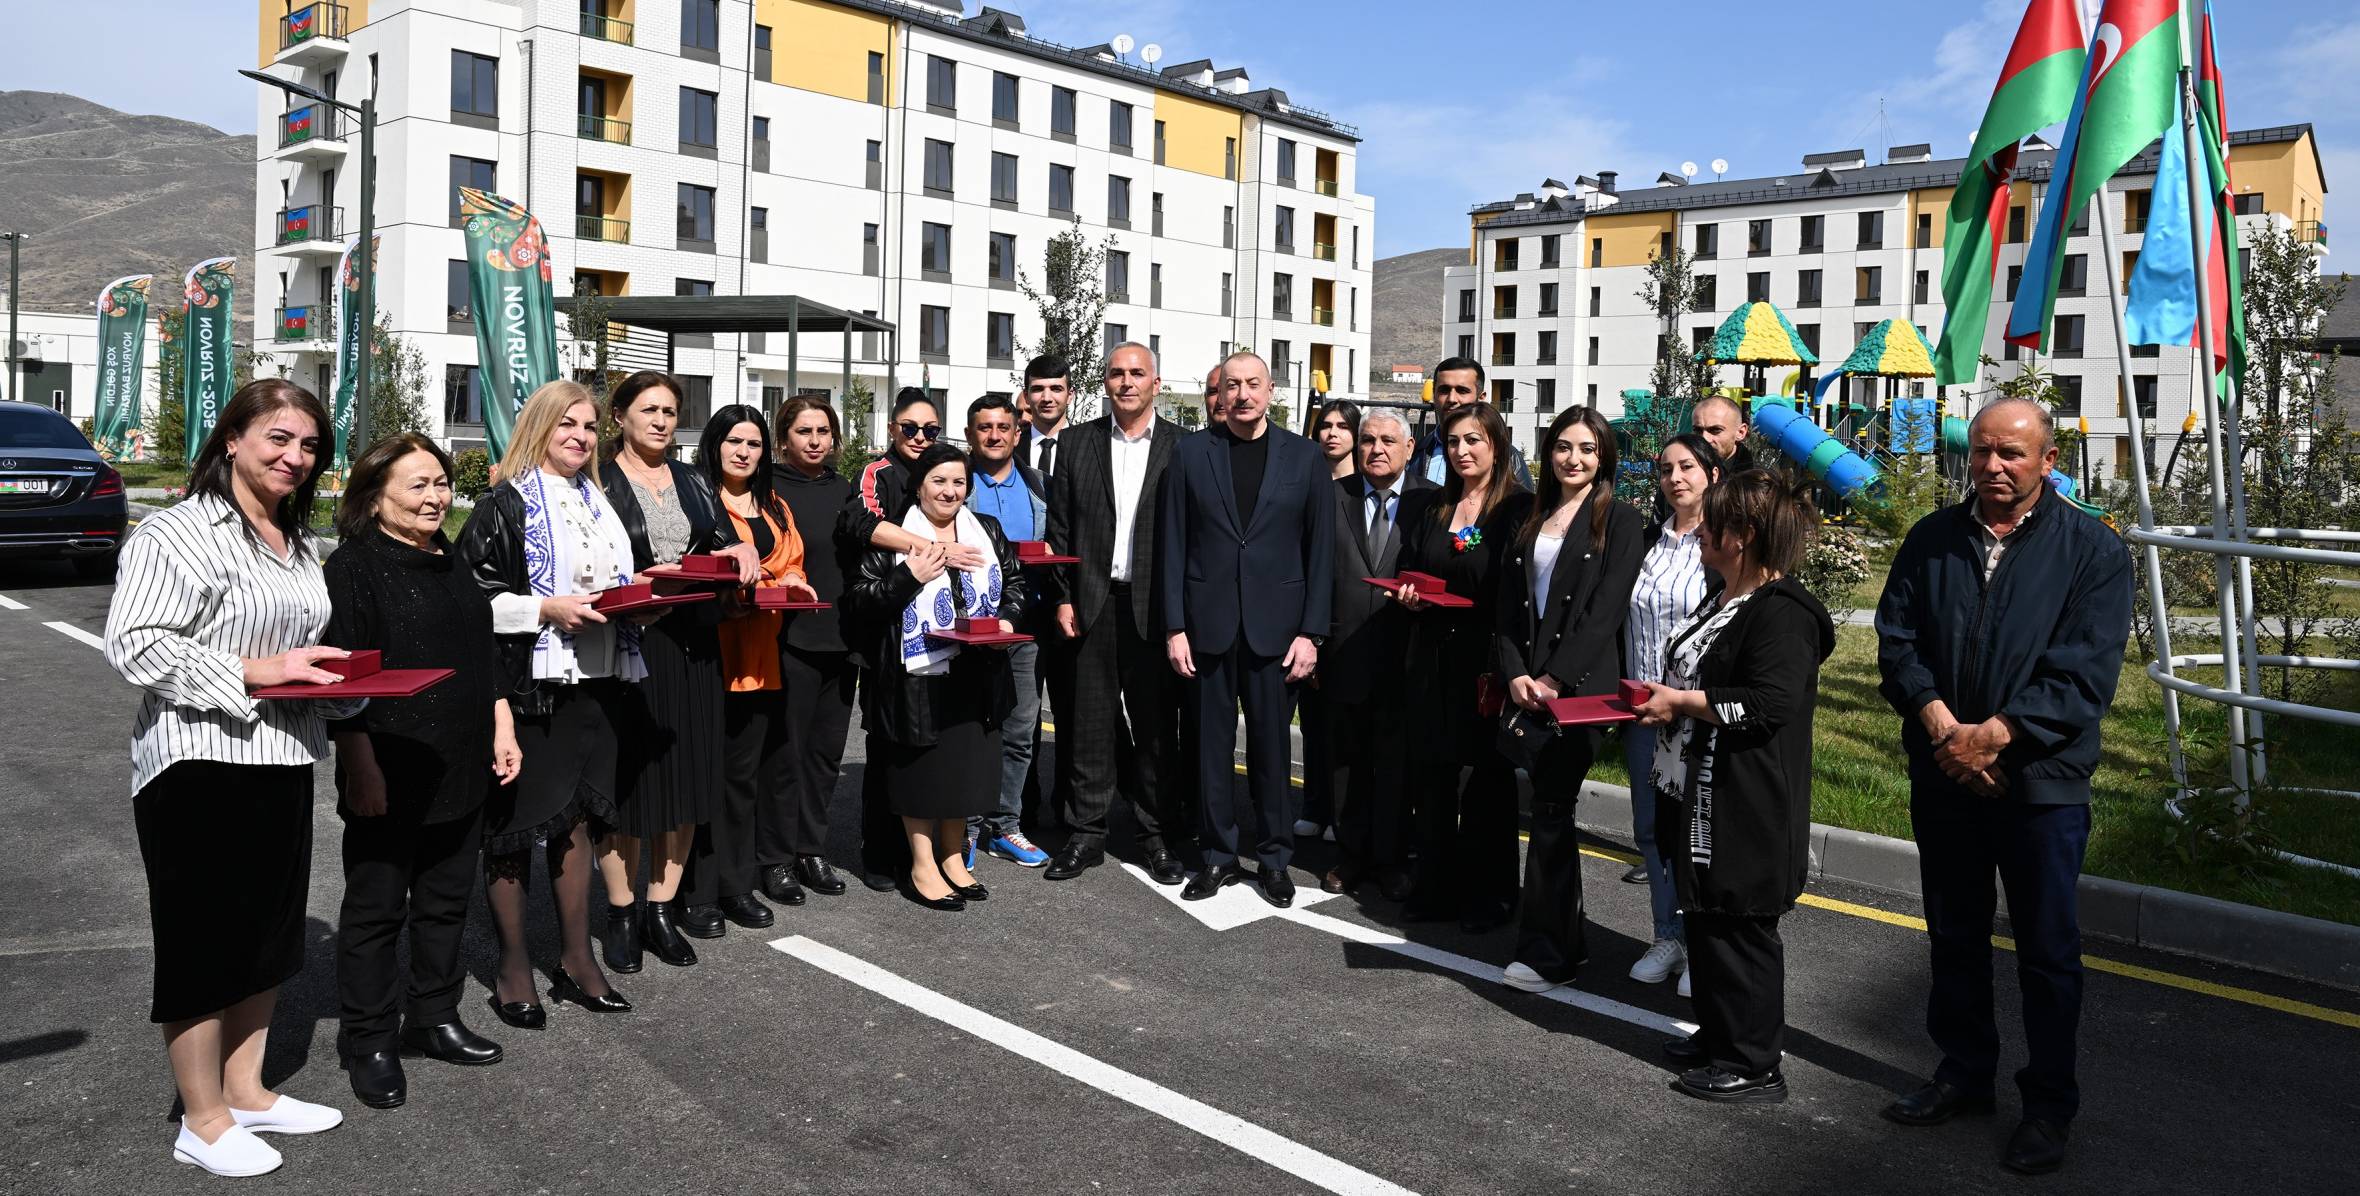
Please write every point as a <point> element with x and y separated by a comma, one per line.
<point>236,1152</point>
<point>1521,976</point>
<point>286,1115</point>
<point>1660,962</point>
<point>1684,983</point>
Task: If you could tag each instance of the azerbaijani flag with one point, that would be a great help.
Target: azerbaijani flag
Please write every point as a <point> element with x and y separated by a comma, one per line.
<point>2035,90</point>
<point>2162,306</point>
<point>2124,105</point>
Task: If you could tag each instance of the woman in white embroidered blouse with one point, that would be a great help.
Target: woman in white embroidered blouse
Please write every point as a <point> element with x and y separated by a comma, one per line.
<point>217,597</point>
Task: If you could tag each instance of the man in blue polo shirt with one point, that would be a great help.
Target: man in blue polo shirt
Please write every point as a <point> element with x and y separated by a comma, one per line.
<point>1019,498</point>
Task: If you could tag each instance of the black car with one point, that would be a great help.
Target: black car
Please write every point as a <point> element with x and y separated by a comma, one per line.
<point>57,497</point>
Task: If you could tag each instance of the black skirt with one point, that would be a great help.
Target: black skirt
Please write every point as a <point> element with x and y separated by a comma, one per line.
<point>958,777</point>
<point>569,768</point>
<point>228,855</point>
<point>670,765</point>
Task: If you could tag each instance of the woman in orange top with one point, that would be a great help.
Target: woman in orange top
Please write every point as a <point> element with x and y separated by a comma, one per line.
<point>735,457</point>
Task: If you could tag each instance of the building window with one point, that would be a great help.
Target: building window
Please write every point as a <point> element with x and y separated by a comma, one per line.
<point>1228,228</point>
<point>1503,303</point>
<point>1925,230</point>
<point>1708,292</point>
<point>2074,278</point>
<point>2015,276</point>
<point>1597,252</point>
<point>1282,296</point>
<point>1228,299</point>
<point>1281,366</point>
<point>1003,260</point>
<point>1159,143</point>
<point>870,252</point>
<point>696,217</point>
<point>2135,207</point>
<point>1004,99</point>
<point>999,337</point>
<point>1118,127</point>
<point>1156,203</point>
<point>1868,284</point>
<point>934,251</point>
<point>1060,190</point>
<point>2016,225</point>
<point>1920,287</point>
<point>762,52</point>
<point>475,88</point>
<point>2248,204</point>
<point>938,168</point>
<point>1466,347</point>
<point>1544,391</point>
<point>1118,201</point>
<point>1807,288</point>
<point>1810,337</point>
<point>758,228</point>
<point>1003,179</point>
<point>1757,287</point>
<point>458,297</point>
<point>1872,230</point>
<point>700,26</point>
<point>1061,106</point>
<point>1286,162</point>
<point>876,92</point>
<point>1549,246</point>
<point>1503,251</point>
<point>1757,238</point>
<point>1549,298</point>
<point>1283,236</point>
<point>876,166</point>
<point>1155,284</point>
<point>2069,394</point>
<point>696,287</point>
<point>471,172</point>
<point>934,331</point>
<point>699,119</point>
<point>1548,350</point>
<point>942,84</point>
<point>462,395</point>
<point>1708,241</point>
<point>1115,334</point>
<point>1593,356</point>
<point>2066,340</point>
<point>1118,276</point>
<point>1814,234</point>
<point>1229,158</point>
<point>2143,393</point>
<point>1467,306</point>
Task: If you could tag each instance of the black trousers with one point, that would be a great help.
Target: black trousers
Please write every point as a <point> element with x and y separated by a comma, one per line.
<point>2037,853</point>
<point>1737,969</point>
<point>1466,836</point>
<point>1549,935</point>
<point>401,870</point>
<point>818,714</point>
<point>1224,682</point>
<point>1365,745</point>
<point>1118,728</point>
<point>756,755</point>
<point>1319,757</point>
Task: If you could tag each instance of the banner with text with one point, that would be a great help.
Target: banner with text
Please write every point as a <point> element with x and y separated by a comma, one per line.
<point>348,347</point>
<point>515,314</point>
<point>122,341</point>
<point>205,375</point>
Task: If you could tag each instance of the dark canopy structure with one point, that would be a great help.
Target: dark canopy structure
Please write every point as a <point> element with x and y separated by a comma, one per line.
<point>699,316</point>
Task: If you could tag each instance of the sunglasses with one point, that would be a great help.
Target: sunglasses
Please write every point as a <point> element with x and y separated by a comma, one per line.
<point>911,431</point>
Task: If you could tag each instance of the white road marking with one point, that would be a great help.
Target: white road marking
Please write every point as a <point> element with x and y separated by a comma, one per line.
<point>1238,1134</point>
<point>1563,994</point>
<point>73,632</point>
<point>8,603</point>
<point>1231,907</point>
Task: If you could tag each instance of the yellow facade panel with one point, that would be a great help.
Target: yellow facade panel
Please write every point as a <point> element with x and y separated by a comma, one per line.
<point>1934,202</point>
<point>2285,174</point>
<point>825,48</point>
<point>1624,240</point>
<point>1198,136</point>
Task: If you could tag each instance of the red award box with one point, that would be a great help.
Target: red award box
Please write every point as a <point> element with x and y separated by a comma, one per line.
<point>366,662</point>
<point>1616,707</point>
<point>779,598</point>
<point>701,566</point>
<point>1036,552</point>
<point>365,676</point>
<point>1432,589</point>
<point>982,633</point>
<point>639,596</point>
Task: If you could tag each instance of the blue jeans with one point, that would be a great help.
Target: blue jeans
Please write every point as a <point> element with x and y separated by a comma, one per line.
<point>1016,744</point>
<point>1639,758</point>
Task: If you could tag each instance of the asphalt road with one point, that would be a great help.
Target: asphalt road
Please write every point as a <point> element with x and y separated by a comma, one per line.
<point>1089,1037</point>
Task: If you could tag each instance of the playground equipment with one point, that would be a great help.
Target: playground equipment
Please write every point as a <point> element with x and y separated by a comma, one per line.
<point>1825,458</point>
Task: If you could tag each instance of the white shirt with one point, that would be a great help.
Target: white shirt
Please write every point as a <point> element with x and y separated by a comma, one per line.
<point>1543,565</point>
<point>1671,583</point>
<point>1037,440</point>
<point>600,549</point>
<point>194,599</point>
<point>1129,456</point>
<point>1995,545</point>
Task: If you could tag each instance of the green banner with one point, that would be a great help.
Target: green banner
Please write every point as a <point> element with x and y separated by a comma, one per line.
<point>348,347</point>
<point>515,314</point>
<point>205,376</point>
<point>122,341</point>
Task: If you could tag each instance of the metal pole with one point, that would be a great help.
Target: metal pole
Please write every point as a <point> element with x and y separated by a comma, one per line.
<point>363,400</point>
<point>794,347</point>
<point>11,390</point>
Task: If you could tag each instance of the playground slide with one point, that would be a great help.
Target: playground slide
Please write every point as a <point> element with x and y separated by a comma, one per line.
<point>1823,456</point>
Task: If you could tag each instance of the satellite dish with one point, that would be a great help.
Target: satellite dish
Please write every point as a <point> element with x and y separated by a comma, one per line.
<point>1687,170</point>
<point>1720,167</point>
<point>1122,44</point>
<point>1151,53</point>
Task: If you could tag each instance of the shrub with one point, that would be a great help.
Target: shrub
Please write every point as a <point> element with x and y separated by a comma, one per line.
<point>473,473</point>
<point>1835,563</point>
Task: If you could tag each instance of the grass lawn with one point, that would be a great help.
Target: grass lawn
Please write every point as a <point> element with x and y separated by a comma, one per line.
<point>1860,782</point>
<point>153,473</point>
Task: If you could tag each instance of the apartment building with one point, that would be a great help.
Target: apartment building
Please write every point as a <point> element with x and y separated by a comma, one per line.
<point>904,160</point>
<point>1550,297</point>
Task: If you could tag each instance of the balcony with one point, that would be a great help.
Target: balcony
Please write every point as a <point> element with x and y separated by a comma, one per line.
<point>1503,311</point>
<point>312,133</point>
<point>1323,250</point>
<point>1500,358</point>
<point>602,228</point>
<point>313,35</point>
<point>311,229</point>
<point>1325,317</point>
<point>1326,187</point>
<point>603,128</point>
<point>606,29</point>
<point>2311,232</point>
<point>308,328</point>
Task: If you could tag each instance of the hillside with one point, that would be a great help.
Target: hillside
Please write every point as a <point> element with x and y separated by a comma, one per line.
<point>1405,314</point>
<point>101,194</point>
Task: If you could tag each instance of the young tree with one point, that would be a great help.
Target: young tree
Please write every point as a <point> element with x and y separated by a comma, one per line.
<point>168,424</point>
<point>1071,297</point>
<point>1670,291</point>
<point>397,383</point>
<point>860,405</point>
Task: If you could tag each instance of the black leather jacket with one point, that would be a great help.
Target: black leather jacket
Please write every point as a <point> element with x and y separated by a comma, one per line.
<point>491,549</point>
<point>910,710</point>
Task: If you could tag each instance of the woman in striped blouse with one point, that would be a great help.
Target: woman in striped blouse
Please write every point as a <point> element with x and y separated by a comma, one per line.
<point>217,597</point>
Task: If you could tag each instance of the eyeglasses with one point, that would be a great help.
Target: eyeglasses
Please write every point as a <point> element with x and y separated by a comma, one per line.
<point>911,431</point>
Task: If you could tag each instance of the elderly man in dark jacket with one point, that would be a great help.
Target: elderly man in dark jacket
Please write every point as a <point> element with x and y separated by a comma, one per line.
<point>2001,636</point>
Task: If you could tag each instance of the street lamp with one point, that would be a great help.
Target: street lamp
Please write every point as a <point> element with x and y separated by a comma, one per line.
<point>365,251</point>
<point>13,239</point>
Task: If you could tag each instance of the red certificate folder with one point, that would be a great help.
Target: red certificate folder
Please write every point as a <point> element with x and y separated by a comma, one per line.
<point>639,596</point>
<point>1602,708</point>
<point>365,676</point>
<point>982,633</point>
<point>1430,588</point>
<point>1036,552</point>
<point>778,598</point>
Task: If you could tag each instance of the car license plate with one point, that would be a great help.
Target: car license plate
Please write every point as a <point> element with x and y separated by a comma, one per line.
<point>24,485</point>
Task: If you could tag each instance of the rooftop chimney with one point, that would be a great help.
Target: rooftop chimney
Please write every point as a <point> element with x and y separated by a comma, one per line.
<point>1606,181</point>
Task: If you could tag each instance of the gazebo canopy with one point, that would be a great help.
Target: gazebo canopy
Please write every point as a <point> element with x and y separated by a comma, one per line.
<point>1758,334</point>
<point>1895,349</point>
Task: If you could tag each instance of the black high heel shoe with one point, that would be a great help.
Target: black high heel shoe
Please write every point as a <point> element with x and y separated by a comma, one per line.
<point>524,1015</point>
<point>973,892</point>
<point>563,988</point>
<point>951,904</point>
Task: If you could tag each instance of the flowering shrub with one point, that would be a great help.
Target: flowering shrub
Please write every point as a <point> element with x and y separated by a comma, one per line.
<point>1836,561</point>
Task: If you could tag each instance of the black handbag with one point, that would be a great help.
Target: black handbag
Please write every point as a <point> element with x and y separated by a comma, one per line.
<point>1524,734</point>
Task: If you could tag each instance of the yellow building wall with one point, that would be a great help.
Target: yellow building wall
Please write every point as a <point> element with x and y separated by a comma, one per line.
<point>2286,174</point>
<point>824,48</point>
<point>1197,134</point>
<point>1629,240</point>
<point>356,14</point>
<point>1934,201</point>
<point>1475,223</point>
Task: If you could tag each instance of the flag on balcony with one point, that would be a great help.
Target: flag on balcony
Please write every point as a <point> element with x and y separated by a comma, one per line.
<point>205,377</point>
<point>122,339</point>
<point>509,298</point>
<point>299,25</point>
<point>2035,90</point>
<point>2124,104</point>
<point>2161,306</point>
<point>299,123</point>
<point>348,347</point>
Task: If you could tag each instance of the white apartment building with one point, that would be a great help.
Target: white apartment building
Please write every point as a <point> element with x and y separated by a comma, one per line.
<point>901,160</point>
<point>1549,301</point>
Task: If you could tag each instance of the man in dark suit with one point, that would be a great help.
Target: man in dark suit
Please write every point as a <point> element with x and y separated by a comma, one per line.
<point>1116,702</point>
<point>1047,397</point>
<point>1245,561</point>
<point>1360,665</point>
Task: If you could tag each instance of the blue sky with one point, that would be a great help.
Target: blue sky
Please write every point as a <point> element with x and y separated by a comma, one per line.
<point>1456,105</point>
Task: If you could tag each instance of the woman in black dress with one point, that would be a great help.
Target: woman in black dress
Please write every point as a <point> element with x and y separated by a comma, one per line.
<point>412,772</point>
<point>791,842</point>
<point>1335,428</point>
<point>1460,533</point>
<point>935,709</point>
<point>670,768</point>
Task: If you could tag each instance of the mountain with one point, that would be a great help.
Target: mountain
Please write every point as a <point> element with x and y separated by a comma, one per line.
<point>1405,313</point>
<point>101,194</point>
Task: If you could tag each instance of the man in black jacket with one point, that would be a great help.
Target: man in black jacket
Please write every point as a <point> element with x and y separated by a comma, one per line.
<point>2001,636</point>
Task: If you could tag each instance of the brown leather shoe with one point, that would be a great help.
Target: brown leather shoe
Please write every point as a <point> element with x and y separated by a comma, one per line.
<point>1334,882</point>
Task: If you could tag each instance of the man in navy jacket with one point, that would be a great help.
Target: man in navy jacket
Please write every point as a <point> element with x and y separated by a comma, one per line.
<point>2000,639</point>
<point>1245,553</point>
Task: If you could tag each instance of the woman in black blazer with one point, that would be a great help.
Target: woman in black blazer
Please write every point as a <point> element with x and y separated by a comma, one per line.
<point>670,765</point>
<point>1564,592</point>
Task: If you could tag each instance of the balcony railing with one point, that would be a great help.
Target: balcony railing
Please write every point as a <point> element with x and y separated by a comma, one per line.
<point>1503,311</point>
<point>309,322</point>
<point>604,128</point>
<point>2311,232</point>
<point>312,222</point>
<point>311,124</point>
<point>1326,187</point>
<point>1325,316</point>
<point>602,228</point>
<point>606,29</point>
<point>1503,265</point>
<point>312,22</point>
<point>1324,250</point>
<point>1499,358</point>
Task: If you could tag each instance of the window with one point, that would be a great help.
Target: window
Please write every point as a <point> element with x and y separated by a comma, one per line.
<point>1503,253</point>
<point>2074,278</point>
<point>934,332</point>
<point>934,250</point>
<point>1872,230</point>
<point>1757,287</point>
<point>876,88</point>
<point>696,397</point>
<point>1925,230</point>
<point>1061,106</point>
<point>700,26</point>
<point>699,116</point>
<point>1757,238</point>
<point>942,84</point>
<point>762,52</point>
<point>1060,189</point>
<point>1503,303</point>
<point>1708,241</point>
<point>475,88</point>
<point>2135,208</point>
<point>876,166</point>
<point>1597,296</point>
<point>1286,162</point>
<point>1003,260</point>
<point>1229,158</point>
<point>1466,347</point>
<point>1229,303</point>
<point>1004,99</point>
<point>1549,298</point>
<point>2015,276</point>
<point>1708,292</point>
<point>1155,284</point>
<point>1549,251</point>
<point>1807,288</point>
<point>999,337</point>
<point>1228,228</point>
<point>691,286</point>
<point>2066,339</point>
<point>869,250</point>
<point>1156,202</point>
<point>1282,296</point>
<point>1919,287</point>
<point>1593,354</point>
<point>1548,350</point>
<point>1809,333</point>
<point>1003,179</point>
<point>2143,393</point>
<point>938,167</point>
<point>1116,334</point>
<point>1159,143</point>
<point>1118,201</point>
<point>462,395</point>
<point>758,234</point>
<point>1118,276</point>
<point>1544,392</point>
<point>2016,225</point>
<point>1283,235</point>
<point>1118,127</point>
<point>2146,350</point>
<point>696,217</point>
<point>458,298</point>
<point>1467,306</point>
<point>1814,234</point>
<point>2248,204</point>
<point>1868,284</point>
<point>1281,367</point>
<point>2081,222</point>
<point>471,172</point>
<point>2069,394</point>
